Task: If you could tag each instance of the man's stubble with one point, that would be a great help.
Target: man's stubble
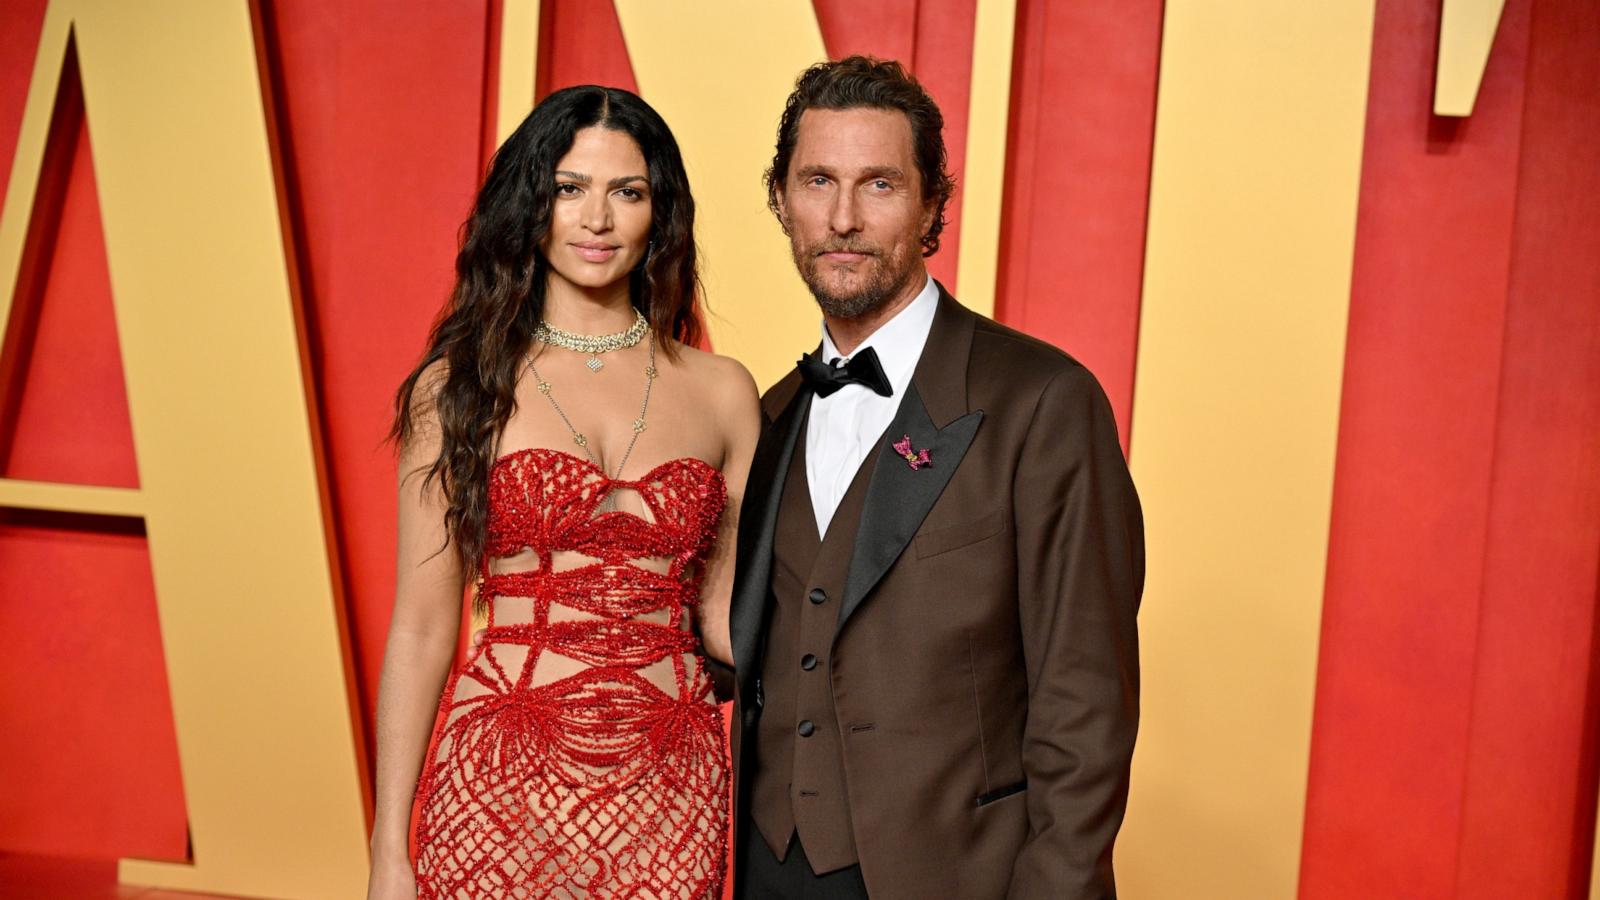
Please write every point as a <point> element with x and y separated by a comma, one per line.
<point>890,274</point>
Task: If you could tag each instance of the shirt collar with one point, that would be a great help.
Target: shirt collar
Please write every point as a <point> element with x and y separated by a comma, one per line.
<point>899,341</point>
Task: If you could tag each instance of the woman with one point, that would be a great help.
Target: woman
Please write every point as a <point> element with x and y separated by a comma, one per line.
<point>563,448</point>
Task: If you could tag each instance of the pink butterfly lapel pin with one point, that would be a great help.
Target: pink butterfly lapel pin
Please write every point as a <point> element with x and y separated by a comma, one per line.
<point>916,459</point>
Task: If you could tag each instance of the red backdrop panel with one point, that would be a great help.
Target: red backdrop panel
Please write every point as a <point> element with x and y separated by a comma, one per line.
<point>1413,474</point>
<point>67,419</point>
<point>1078,182</point>
<point>581,43</point>
<point>1528,806</point>
<point>88,751</point>
<point>20,21</point>
<point>380,106</point>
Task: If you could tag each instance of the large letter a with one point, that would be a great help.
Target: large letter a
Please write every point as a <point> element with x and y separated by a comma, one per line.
<point>222,430</point>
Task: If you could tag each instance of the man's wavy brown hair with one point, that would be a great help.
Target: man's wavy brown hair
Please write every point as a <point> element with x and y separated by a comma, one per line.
<point>863,82</point>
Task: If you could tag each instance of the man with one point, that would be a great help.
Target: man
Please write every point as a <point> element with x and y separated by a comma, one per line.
<point>940,556</point>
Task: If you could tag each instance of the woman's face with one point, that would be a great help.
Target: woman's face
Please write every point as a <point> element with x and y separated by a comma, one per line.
<point>601,212</point>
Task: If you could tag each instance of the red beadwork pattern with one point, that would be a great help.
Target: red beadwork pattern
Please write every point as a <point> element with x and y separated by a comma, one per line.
<point>600,783</point>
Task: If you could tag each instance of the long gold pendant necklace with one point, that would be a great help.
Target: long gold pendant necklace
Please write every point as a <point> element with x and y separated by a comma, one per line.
<point>578,436</point>
<point>593,344</point>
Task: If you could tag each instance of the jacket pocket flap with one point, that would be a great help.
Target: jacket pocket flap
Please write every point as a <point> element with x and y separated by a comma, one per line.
<point>953,537</point>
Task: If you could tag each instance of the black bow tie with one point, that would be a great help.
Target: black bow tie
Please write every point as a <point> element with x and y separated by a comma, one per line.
<point>862,369</point>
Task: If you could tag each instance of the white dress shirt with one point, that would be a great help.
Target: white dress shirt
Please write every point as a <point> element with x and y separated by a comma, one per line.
<point>847,426</point>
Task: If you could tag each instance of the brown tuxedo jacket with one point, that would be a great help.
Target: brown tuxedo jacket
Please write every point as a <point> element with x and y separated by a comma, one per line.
<point>986,632</point>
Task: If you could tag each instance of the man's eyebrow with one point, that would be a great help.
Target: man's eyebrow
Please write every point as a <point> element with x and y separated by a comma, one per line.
<point>625,179</point>
<point>894,172</point>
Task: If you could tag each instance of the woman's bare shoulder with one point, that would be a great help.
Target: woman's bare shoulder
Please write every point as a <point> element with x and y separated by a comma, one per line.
<point>725,382</point>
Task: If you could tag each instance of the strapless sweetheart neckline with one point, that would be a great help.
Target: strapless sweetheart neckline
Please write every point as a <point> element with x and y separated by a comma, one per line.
<point>693,462</point>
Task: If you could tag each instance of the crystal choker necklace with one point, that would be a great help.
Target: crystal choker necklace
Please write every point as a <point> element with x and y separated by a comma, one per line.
<point>594,344</point>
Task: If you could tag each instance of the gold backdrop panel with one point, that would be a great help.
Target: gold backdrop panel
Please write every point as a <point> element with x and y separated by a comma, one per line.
<point>1241,351</point>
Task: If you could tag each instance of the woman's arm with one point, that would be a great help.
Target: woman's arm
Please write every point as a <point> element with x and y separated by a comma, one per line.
<point>738,409</point>
<point>423,631</point>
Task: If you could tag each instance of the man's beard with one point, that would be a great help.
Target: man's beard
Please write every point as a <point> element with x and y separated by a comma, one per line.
<point>889,275</point>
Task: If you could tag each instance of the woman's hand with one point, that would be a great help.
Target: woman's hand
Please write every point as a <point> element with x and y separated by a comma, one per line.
<point>391,878</point>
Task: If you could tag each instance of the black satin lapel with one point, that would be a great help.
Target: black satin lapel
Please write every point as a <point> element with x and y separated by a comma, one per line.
<point>899,496</point>
<point>758,520</point>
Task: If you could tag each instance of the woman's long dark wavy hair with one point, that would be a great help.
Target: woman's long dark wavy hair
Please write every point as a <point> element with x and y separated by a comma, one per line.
<point>485,330</point>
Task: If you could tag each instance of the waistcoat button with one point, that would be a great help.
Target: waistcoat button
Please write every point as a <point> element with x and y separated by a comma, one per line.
<point>806,728</point>
<point>808,662</point>
<point>818,596</point>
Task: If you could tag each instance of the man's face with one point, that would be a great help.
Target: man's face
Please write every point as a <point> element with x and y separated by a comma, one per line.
<point>853,207</point>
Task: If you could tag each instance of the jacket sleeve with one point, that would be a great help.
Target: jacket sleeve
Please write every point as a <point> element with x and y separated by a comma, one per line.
<point>1080,571</point>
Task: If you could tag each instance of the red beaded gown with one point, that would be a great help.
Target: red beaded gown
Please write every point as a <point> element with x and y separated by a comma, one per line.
<point>580,752</point>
